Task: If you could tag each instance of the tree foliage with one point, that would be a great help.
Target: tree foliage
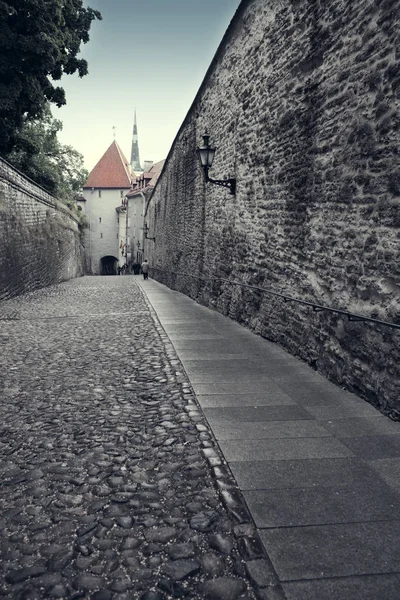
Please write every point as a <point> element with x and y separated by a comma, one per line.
<point>38,154</point>
<point>39,42</point>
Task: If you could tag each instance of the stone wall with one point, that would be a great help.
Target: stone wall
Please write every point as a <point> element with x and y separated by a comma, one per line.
<point>302,102</point>
<point>39,237</point>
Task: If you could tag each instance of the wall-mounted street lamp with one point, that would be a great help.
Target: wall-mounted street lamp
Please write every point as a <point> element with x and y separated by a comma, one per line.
<point>146,231</point>
<point>206,155</point>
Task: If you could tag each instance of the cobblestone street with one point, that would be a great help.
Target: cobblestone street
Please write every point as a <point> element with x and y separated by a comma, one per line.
<point>107,465</point>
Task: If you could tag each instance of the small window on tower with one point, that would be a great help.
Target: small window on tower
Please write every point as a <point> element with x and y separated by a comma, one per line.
<point>101,235</point>
<point>99,219</point>
<point>99,193</point>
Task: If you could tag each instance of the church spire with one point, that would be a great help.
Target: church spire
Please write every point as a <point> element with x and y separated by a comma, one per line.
<point>135,160</point>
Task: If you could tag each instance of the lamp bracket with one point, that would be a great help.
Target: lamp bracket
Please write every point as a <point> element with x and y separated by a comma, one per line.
<point>228,183</point>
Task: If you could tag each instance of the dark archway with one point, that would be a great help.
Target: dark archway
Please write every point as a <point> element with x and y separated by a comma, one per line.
<point>109,265</point>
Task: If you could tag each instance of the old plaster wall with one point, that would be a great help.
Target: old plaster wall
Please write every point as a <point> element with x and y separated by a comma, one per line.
<point>302,101</point>
<point>102,237</point>
<point>39,237</point>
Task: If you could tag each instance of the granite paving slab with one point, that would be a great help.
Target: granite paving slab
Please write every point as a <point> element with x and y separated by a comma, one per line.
<point>342,411</point>
<point>275,400</point>
<point>261,412</point>
<point>213,365</point>
<point>283,449</point>
<point>234,387</point>
<point>389,470</point>
<point>228,376</point>
<point>312,389</point>
<point>189,336</point>
<point>340,550</point>
<point>362,426</point>
<point>246,370</point>
<point>259,430</point>
<point>373,447</point>
<point>208,345</point>
<point>326,472</point>
<point>209,361</point>
<point>296,507</point>
<point>209,356</point>
<point>367,587</point>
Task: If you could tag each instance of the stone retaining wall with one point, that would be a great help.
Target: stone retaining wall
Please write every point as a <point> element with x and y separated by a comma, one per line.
<point>302,101</point>
<point>39,237</point>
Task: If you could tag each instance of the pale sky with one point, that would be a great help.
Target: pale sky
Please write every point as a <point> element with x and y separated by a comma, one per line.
<point>148,54</point>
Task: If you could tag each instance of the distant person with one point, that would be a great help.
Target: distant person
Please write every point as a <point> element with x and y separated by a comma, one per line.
<point>145,269</point>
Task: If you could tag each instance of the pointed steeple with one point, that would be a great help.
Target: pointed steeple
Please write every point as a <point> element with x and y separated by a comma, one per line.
<point>135,160</point>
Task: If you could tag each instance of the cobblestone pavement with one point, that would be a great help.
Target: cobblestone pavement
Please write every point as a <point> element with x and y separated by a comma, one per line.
<point>111,486</point>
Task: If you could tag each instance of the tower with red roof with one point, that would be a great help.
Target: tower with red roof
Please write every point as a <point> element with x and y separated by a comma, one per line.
<point>105,208</point>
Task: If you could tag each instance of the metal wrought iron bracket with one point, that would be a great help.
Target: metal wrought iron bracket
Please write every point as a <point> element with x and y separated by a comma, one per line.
<point>228,183</point>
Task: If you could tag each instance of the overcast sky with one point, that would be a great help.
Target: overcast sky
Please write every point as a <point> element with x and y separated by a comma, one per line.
<point>148,54</point>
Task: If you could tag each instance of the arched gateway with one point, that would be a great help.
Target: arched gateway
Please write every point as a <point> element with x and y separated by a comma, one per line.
<point>108,265</point>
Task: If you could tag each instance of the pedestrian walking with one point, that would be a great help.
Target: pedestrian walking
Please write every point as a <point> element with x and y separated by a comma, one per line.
<point>145,269</point>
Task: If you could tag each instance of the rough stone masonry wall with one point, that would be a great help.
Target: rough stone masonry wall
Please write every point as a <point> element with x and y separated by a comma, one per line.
<point>39,237</point>
<point>302,101</point>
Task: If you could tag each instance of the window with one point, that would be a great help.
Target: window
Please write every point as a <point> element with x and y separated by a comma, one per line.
<point>117,235</point>
<point>99,193</point>
<point>99,219</point>
<point>122,193</point>
<point>101,235</point>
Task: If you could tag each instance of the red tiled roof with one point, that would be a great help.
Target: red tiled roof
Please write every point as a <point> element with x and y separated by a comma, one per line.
<point>155,172</point>
<point>112,170</point>
<point>150,178</point>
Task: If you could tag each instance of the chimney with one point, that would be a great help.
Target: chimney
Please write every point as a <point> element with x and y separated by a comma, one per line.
<point>147,165</point>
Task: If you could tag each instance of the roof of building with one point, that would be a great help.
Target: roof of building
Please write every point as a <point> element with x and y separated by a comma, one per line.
<point>112,170</point>
<point>147,180</point>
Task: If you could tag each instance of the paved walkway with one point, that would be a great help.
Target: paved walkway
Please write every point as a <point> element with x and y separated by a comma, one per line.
<point>319,467</point>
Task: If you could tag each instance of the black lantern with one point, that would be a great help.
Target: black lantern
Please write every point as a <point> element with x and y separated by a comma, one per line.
<point>206,155</point>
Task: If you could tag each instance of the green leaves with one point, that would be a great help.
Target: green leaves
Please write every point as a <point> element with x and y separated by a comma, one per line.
<point>38,39</point>
<point>38,154</point>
